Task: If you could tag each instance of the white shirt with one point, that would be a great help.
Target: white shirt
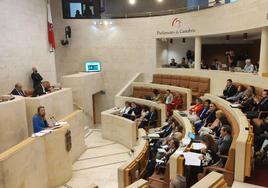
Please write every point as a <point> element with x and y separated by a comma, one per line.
<point>125,110</point>
<point>169,99</point>
<point>248,68</point>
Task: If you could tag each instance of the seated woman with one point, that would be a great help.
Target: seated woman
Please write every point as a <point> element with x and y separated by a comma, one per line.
<point>176,103</point>
<point>144,113</point>
<point>125,110</point>
<point>213,128</point>
<point>210,117</point>
<point>195,111</point>
<point>238,95</point>
<point>209,158</point>
<point>39,120</point>
<point>150,119</point>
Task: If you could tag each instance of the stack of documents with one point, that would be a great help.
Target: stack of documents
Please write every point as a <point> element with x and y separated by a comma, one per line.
<point>198,146</point>
<point>192,158</point>
<point>153,135</point>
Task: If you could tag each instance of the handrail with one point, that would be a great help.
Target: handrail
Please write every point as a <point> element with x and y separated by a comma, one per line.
<point>196,7</point>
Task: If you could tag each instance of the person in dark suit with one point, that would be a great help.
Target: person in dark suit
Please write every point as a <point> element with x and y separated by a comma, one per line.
<point>150,119</point>
<point>36,77</point>
<point>167,129</point>
<point>18,90</point>
<point>42,89</point>
<point>230,89</point>
<point>261,105</point>
<point>225,140</point>
<point>134,112</point>
<point>210,117</point>
<point>39,90</point>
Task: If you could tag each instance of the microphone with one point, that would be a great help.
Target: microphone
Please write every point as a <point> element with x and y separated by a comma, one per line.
<point>54,121</point>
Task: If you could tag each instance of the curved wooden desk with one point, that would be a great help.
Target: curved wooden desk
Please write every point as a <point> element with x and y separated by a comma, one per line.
<point>175,161</point>
<point>13,126</point>
<point>239,143</point>
<point>118,129</point>
<point>133,169</point>
<point>37,162</point>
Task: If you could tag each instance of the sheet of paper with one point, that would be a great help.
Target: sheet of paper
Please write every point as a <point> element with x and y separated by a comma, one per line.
<point>61,123</point>
<point>192,158</point>
<point>164,146</point>
<point>186,141</point>
<point>235,105</point>
<point>160,150</point>
<point>159,161</point>
<point>153,135</point>
<point>198,146</point>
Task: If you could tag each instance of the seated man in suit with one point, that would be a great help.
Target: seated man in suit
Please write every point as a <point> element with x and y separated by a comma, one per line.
<point>225,140</point>
<point>42,89</point>
<point>209,118</point>
<point>230,89</point>
<point>261,105</point>
<point>18,90</point>
<point>39,120</point>
<point>150,119</point>
<point>133,113</point>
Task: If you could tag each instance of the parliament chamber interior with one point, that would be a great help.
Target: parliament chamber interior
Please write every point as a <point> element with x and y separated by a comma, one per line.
<point>133,93</point>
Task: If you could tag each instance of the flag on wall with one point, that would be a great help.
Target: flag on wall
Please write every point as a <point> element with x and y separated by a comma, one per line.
<point>51,38</point>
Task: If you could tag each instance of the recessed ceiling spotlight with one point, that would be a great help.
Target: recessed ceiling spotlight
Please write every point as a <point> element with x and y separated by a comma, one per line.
<point>159,1</point>
<point>95,23</point>
<point>100,23</point>
<point>111,23</point>
<point>132,2</point>
<point>105,22</point>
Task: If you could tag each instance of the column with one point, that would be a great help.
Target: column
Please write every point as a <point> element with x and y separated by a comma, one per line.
<point>198,55</point>
<point>263,66</point>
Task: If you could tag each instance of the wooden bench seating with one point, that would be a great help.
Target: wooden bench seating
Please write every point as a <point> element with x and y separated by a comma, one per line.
<point>141,92</point>
<point>198,85</point>
<point>137,167</point>
<point>228,169</point>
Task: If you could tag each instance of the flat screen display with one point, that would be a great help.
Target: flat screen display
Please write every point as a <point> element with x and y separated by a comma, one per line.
<point>93,66</point>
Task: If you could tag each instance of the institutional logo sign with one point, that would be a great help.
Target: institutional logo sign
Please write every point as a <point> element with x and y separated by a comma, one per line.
<point>178,28</point>
<point>176,22</point>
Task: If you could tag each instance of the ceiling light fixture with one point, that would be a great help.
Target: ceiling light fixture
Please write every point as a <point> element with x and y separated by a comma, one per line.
<point>132,2</point>
<point>105,22</point>
<point>159,1</point>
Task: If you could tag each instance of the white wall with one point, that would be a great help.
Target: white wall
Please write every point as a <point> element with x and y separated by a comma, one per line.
<point>178,49</point>
<point>23,43</point>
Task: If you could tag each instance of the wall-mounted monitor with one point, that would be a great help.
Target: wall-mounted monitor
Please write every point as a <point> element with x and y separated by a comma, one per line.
<point>92,66</point>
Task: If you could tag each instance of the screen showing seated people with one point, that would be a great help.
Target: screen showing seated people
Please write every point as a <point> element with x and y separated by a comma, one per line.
<point>93,66</point>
